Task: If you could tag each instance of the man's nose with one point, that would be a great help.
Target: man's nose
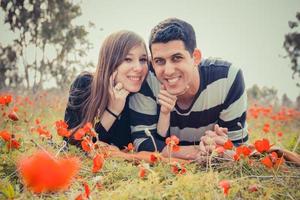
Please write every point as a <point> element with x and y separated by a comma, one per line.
<point>169,69</point>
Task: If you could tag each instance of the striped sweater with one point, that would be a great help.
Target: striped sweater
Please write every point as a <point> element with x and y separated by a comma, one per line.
<point>221,99</point>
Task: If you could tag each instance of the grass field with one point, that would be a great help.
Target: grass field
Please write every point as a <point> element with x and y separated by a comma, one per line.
<point>27,126</point>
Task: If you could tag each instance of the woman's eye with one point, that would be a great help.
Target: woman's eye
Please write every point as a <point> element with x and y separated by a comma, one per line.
<point>128,59</point>
<point>143,60</point>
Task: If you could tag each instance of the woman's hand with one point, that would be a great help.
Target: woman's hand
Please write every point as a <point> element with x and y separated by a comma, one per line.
<point>117,95</point>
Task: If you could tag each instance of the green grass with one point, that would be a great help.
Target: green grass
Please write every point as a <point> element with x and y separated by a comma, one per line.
<point>119,179</point>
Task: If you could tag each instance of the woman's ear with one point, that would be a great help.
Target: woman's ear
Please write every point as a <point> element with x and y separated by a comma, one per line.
<point>197,56</point>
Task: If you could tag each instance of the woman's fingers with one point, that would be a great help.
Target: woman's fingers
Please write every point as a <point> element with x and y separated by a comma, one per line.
<point>118,87</point>
<point>123,92</point>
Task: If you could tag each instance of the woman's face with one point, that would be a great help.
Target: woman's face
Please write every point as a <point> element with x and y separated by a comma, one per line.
<point>133,70</point>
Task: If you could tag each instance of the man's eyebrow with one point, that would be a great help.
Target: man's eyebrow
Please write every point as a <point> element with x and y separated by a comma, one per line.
<point>176,54</point>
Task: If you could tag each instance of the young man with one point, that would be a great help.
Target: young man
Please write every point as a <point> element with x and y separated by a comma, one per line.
<point>201,101</point>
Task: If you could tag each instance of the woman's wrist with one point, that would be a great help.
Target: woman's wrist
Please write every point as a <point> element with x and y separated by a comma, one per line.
<point>114,114</point>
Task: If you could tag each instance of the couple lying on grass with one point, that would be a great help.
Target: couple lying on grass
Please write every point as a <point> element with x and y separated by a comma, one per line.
<point>134,98</point>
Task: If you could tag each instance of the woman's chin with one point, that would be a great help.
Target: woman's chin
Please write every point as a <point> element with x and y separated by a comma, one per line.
<point>133,89</point>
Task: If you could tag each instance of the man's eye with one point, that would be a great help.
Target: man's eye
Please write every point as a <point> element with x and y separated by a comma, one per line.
<point>177,58</point>
<point>159,62</point>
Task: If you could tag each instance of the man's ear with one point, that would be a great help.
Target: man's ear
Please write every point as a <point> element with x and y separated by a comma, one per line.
<point>197,56</point>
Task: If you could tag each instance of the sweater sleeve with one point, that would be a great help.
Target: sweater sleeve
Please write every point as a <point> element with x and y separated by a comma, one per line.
<point>143,111</point>
<point>233,115</point>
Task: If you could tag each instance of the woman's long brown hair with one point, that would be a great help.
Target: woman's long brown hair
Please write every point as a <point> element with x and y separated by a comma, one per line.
<point>113,51</point>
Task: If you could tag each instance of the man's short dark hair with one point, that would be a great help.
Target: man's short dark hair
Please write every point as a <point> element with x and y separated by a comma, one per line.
<point>174,29</point>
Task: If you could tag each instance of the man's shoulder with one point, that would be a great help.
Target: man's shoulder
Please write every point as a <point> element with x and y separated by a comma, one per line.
<point>212,70</point>
<point>215,62</point>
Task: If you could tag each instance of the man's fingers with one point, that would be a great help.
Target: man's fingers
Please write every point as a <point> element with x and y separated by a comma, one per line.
<point>165,104</point>
<point>166,99</point>
<point>202,148</point>
<point>211,133</point>
<point>220,130</point>
<point>167,94</point>
<point>210,148</point>
<point>220,140</point>
<point>207,140</point>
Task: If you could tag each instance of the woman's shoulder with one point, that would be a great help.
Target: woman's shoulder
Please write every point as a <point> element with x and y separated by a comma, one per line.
<point>82,81</point>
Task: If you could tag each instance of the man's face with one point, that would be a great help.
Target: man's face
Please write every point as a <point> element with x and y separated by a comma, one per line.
<point>174,66</point>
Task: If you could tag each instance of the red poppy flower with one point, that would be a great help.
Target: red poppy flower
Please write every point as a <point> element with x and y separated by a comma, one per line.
<point>61,124</point>
<point>13,116</point>
<point>87,189</point>
<point>63,132</point>
<point>178,168</point>
<point>86,145</point>
<point>228,145</point>
<point>243,150</point>
<point>142,172</point>
<point>98,162</point>
<point>37,121</point>
<point>5,135</point>
<point>266,127</point>
<point>43,172</point>
<point>172,143</point>
<point>153,158</point>
<point>87,127</point>
<point>225,185</point>
<point>280,134</point>
<point>79,134</point>
<point>42,131</point>
<point>267,162</point>
<point>5,100</point>
<point>13,144</point>
<point>130,147</point>
<point>172,140</point>
<point>262,145</point>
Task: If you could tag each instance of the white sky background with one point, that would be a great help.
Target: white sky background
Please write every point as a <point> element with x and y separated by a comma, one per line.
<point>248,33</point>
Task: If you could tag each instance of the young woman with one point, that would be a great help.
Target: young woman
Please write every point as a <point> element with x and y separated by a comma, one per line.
<point>103,95</point>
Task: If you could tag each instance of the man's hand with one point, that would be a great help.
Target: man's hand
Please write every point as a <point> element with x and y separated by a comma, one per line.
<point>166,100</point>
<point>214,138</point>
